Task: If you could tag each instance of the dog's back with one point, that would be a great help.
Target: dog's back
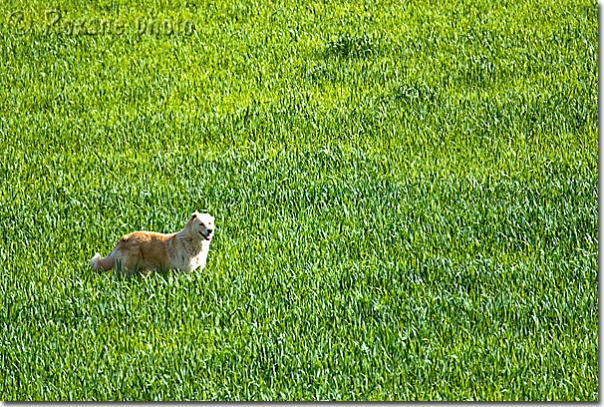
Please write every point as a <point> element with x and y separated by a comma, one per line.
<point>145,250</point>
<point>142,250</point>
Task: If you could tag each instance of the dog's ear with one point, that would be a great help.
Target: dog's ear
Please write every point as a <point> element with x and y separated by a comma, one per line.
<point>193,215</point>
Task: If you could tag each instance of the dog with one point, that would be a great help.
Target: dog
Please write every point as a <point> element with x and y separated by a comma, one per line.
<point>185,251</point>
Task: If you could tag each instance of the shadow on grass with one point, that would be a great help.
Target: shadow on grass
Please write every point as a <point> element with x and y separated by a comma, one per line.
<point>139,276</point>
<point>352,46</point>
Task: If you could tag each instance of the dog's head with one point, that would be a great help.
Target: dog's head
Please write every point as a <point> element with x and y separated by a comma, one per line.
<point>201,224</point>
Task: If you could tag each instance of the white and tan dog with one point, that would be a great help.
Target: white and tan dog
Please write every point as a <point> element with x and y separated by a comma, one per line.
<point>186,250</point>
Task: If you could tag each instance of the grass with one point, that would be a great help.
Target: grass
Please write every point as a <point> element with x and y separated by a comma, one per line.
<point>405,196</point>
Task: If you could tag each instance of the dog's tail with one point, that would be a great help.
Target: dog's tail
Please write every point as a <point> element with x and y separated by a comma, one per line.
<point>102,264</point>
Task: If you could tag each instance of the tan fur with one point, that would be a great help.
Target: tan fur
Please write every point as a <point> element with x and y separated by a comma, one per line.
<point>185,250</point>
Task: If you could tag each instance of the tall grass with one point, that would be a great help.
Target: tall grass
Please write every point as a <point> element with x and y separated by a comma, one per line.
<point>405,196</point>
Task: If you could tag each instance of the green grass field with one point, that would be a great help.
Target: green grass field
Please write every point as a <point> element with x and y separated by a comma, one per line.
<point>405,195</point>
